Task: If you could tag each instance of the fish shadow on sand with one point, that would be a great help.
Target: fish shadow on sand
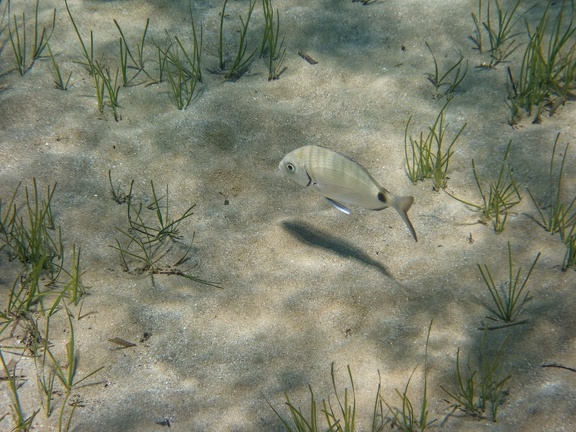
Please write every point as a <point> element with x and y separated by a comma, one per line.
<point>321,239</point>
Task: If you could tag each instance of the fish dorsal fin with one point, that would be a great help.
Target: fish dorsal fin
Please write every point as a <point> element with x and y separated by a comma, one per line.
<point>338,206</point>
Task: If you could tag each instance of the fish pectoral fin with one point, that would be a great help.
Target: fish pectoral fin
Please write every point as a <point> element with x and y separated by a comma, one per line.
<point>338,206</point>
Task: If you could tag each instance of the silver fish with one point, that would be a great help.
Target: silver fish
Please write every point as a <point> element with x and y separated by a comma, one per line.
<point>342,181</point>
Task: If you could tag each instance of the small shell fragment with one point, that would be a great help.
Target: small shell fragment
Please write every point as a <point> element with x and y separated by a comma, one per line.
<point>123,343</point>
<point>307,58</point>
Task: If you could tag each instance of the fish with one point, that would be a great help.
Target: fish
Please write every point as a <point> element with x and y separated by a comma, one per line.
<point>342,181</point>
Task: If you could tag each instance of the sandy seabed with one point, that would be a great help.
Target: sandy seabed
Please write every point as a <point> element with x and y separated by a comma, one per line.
<point>302,285</point>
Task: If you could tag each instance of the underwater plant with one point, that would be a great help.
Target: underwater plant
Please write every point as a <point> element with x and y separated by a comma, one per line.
<point>181,65</point>
<point>29,234</point>
<point>548,72</point>
<point>88,54</point>
<point>150,241</point>
<point>104,85</point>
<point>451,81</point>
<point>276,52</point>
<point>58,78</point>
<point>55,378</point>
<point>43,287</point>
<point>556,216</point>
<point>405,418</point>
<point>509,297</point>
<point>125,53</point>
<point>22,422</point>
<point>33,237</point>
<point>503,194</point>
<point>24,57</point>
<point>499,31</point>
<point>181,79</point>
<point>570,255</point>
<point>66,372</point>
<point>342,418</point>
<point>427,155</point>
<point>242,58</point>
<point>482,388</point>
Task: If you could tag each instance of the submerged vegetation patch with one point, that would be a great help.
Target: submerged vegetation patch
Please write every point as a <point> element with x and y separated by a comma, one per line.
<point>172,63</point>
<point>428,155</point>
<point>47,284</point>
<point>150,241</point>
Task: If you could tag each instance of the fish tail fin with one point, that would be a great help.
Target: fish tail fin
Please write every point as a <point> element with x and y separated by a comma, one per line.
<point>402,204</point>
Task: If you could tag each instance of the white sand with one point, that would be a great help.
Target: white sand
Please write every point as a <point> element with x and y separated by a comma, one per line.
<point>303,284</point>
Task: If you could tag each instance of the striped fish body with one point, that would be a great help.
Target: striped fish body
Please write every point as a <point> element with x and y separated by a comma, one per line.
<point>341,180</point>
<point>334,176</point>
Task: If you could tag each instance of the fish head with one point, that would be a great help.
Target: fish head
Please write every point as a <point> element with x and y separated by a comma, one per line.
<point>293,167</point>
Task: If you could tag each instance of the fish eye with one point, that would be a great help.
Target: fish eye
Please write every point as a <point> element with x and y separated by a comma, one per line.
<point>290,167</point>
